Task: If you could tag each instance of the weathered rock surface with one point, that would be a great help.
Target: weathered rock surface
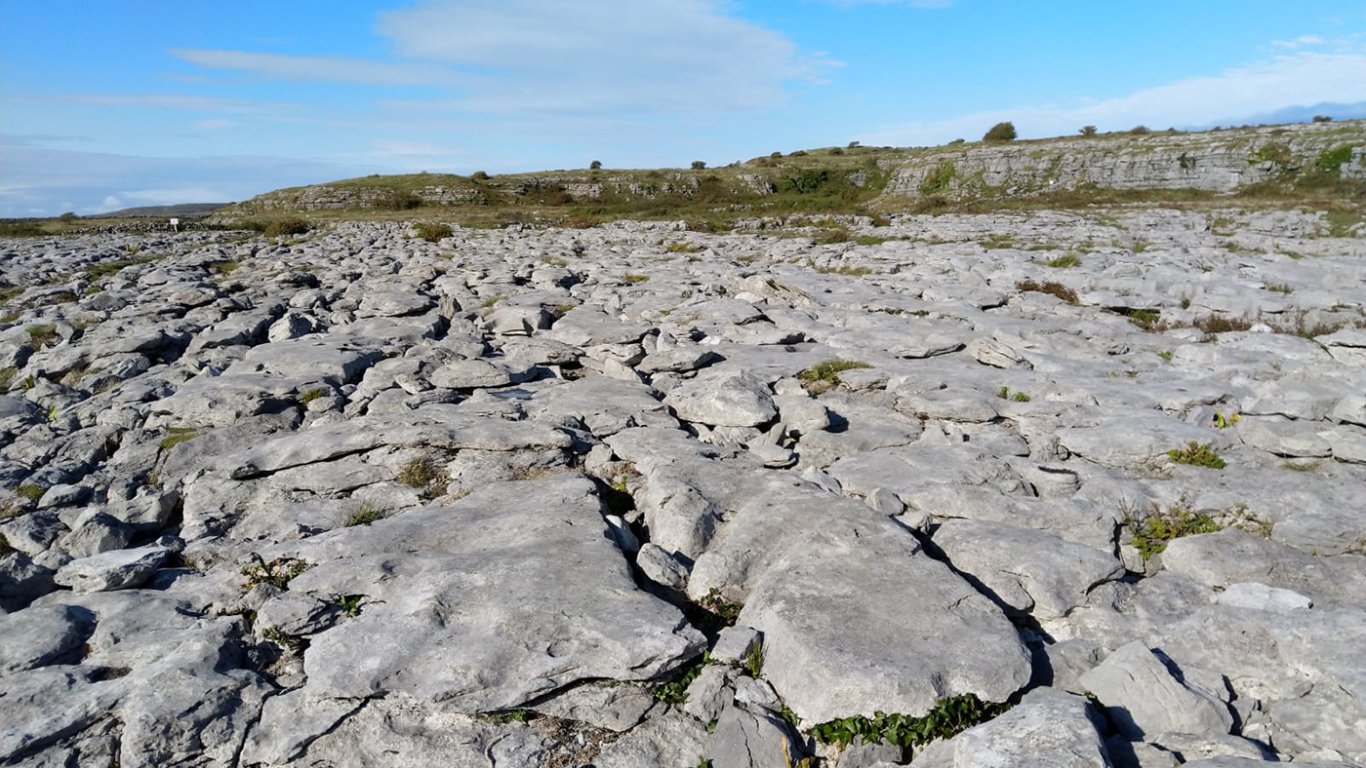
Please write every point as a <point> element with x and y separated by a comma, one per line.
<point>488,502</point>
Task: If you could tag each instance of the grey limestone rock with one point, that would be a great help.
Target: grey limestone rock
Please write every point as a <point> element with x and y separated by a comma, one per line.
<point>1143,698</point>
<point>748,739</point>
<point>117,569</point>
<point>42,635</point>
<point>1054,578</point>
<point>492,622</point>
<point>1047,728</point>
<point>723,398</point>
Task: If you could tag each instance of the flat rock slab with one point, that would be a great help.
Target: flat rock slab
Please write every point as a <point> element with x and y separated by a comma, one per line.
<point>855,617</point>
<point>1055,576</point>
<point>514,592</point>
<point>1130,441</point>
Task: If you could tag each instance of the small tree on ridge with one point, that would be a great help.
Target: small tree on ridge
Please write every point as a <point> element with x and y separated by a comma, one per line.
<point>1001,132</point>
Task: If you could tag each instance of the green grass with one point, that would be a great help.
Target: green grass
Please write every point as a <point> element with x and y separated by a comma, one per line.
<point>7,375</point>
<point>632,278</point>
<point>225,267</point>
<point>1279,288</point>
<point>313,394</point>
<point>177,435</point>
<point>684,248</point>
<point>828,371</point>
<point>366,514</point>
<point>1063,262</point>
<point>41,334</point>
<point>1197,455</point>
<point>113,267</point>
<point>31,491</point>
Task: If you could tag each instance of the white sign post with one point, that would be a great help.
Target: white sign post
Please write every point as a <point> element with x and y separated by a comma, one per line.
<point>175,224</point>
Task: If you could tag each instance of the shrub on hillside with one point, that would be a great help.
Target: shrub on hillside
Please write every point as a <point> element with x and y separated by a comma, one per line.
<point>282,227</point>
<point>432,232</point>
<point>698,165</point>
<point>1088,130</point>
<point>595,165</point>
<point>1001,132</point>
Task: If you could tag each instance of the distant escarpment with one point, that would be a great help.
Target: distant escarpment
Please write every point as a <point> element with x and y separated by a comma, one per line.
<point>1259,161</point>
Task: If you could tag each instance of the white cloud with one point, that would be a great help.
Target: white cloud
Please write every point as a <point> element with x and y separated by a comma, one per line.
<point>111,203</point>
<point>1298,42</point>
<point>1302,78</point>
<point>911,3</point>
<point>560,57</point>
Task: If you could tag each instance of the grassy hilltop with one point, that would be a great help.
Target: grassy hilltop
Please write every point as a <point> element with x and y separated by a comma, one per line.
<point>1316,166</point>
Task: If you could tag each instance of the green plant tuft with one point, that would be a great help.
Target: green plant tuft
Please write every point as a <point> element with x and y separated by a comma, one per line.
<point>1197,455</point>
<point>754,661</point>
<point>366,514</point>
<point>1151,534</point>
<point>313,394</point>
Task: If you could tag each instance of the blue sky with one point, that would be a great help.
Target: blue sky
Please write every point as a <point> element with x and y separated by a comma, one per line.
<point>112,103</point>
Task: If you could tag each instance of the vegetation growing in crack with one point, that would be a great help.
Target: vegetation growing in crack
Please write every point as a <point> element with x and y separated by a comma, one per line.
<point>676,691</point>
<point>1050,287</point>
<point>349,605</point>
<point>313,394</point>
<point>423,474</point>
<point>1151,534</point>
<point>177,435</point>
<point>948,718</point>
<point>277,573</point>
<point>366,514</point>
<point>824,375</point>
<point>1197,455</point>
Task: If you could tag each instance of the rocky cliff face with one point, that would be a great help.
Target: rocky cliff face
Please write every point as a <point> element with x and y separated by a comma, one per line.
<point>1221,161</point>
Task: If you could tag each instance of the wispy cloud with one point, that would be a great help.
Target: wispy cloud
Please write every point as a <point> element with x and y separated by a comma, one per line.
<point>44,181</point>
<point>908,3</point>
<point>319,68</point>
<point>188,102</point>
<point>1300,78</point>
